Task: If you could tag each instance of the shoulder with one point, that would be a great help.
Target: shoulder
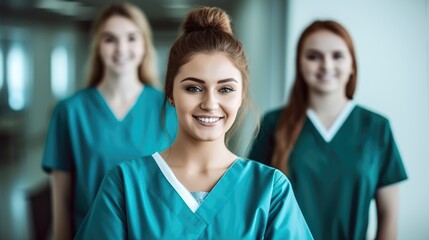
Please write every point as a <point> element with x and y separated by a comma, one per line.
<point>261,171</point>
<point>135,163</point>
<point>153,92</point>
<point>136,168</point>
<point>370,116</point>
<point>270,120</point>
<point>273,115</point>
<point>76,100</point>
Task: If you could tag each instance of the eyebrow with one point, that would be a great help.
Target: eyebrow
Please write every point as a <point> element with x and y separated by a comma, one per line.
<point>203,82</point>
<point>318,51</point>
<point>108,33</point>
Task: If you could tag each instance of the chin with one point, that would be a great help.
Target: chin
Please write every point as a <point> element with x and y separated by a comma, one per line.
<point>207,137</point>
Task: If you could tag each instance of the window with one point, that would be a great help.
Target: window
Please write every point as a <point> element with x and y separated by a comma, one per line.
<point>17,77</point>
<point>59,72</point>
<point>1,69</point>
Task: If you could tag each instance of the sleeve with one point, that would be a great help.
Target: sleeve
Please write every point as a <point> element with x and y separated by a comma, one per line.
<point>58,154</point>
<point>106,219</point>
<point>392,168</point>
<point>285,220</point>
<point>263,146</point>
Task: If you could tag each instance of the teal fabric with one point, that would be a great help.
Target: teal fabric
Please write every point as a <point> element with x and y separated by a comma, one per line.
<point>250,201</point>
<point>86,140</point>
<point>335,181</point>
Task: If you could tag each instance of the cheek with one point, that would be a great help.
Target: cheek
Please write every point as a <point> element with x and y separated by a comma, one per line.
<point>104,50</point>
<point>308,68</point>
<point>233,105</point>
<point>346,68</point>
<point>183,102</point>
<point>137,51</point>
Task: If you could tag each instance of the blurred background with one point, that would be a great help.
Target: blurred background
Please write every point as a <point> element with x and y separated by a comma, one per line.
<point>43,54</point>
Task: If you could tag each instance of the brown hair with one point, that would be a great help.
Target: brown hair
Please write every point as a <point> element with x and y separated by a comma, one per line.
<point>147,71</point>
<point>208,30</point>
<point>293,115</point>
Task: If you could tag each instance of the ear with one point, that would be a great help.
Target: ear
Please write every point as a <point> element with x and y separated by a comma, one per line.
<point>171,101</point>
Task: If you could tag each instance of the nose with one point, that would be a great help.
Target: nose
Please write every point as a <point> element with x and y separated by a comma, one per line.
<point>209,101</point>
<point>327,64</point>
<point>121,46</point>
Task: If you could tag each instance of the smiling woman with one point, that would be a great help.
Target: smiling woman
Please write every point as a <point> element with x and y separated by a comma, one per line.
<point>337,154</point>
<point>207,94</point>
<point>198,188</point>
<point>114,119</point>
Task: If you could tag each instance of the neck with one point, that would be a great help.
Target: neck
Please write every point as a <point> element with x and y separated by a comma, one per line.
<point>123,86</point>
<point>199,155</point>
<point>327,106</point>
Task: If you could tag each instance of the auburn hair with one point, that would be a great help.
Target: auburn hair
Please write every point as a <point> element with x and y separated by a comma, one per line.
<point>293,116</point>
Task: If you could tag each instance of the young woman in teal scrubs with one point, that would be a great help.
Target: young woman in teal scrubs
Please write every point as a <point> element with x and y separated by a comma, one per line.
<point>198,188</point>
<point>117,117</point>
<point>338,155</point>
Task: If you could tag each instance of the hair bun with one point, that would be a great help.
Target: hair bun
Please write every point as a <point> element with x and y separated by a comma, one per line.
<point>207,18</point>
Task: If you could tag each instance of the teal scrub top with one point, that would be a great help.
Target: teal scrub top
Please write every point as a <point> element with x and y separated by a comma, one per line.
<point>250,201</point>
<point>334,182</point>
<point>87,140</point>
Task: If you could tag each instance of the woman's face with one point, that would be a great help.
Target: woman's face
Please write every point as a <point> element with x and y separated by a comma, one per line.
<point>326,63</point>
<point>207,94</point>
<point>121,46</point>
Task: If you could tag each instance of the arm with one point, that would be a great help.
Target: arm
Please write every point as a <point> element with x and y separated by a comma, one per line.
<point>106,219</point>
<point>61,200</point>
<point>285,219</point>
<point>387,211</point>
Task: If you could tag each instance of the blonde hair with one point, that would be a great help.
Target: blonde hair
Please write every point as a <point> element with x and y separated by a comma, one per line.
<point>147,71</point>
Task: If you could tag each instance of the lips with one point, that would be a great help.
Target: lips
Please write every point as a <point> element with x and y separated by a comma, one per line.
<point>325,77</point>
<point>121,60</point>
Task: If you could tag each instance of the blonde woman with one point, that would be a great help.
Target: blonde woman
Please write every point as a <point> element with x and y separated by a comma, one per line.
<point>114,119</point>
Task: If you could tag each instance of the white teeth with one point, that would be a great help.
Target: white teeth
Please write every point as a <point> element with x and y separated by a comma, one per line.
<point>208,119</point>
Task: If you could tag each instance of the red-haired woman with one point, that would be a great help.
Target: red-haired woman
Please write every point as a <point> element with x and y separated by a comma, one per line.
<point>337,154</point>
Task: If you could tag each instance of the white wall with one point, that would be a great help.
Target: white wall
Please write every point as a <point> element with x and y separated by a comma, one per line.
<point>392,42</point>
<point>261,27</point>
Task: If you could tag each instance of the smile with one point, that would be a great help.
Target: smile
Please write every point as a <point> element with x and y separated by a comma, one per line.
<point>208,119</point>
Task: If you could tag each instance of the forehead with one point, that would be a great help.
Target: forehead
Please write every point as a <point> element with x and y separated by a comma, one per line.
<point>119,25</point>
<point>209,67</point>
<point>324,40</point>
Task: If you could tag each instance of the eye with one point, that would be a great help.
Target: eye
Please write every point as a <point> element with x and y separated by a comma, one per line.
<point>132,38</point>
<point>313,56</point>
<point>226,90</point>
<point>194,89</point>
<point>109,39</point>
<point>338,55</point>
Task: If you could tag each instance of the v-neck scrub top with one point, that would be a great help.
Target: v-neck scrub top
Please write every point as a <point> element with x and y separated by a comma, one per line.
<point>336,174</point>
<point>140,199</point>
<point>86,139</point>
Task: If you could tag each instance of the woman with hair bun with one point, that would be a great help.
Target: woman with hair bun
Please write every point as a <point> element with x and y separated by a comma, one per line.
<point>198,188</point>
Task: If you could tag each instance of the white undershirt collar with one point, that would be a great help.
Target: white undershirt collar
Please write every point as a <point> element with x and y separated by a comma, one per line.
<point>187,197</point>
<point>328,134</point>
